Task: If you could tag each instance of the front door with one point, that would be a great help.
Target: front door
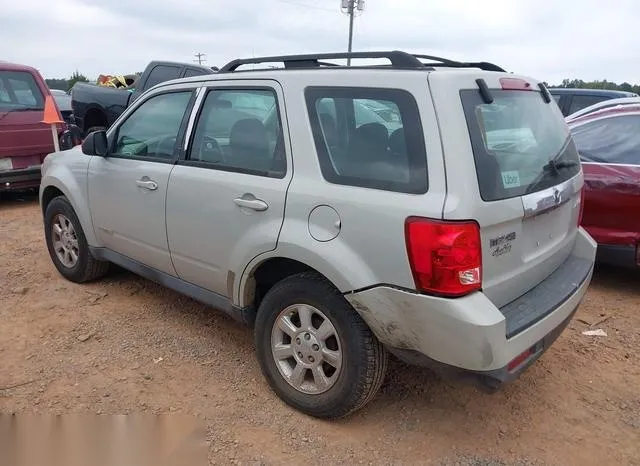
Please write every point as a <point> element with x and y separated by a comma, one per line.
<point>225,203</point>
<point>128,187</point>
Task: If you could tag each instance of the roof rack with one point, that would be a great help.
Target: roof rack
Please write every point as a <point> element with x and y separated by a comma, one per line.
<point>398,59</point>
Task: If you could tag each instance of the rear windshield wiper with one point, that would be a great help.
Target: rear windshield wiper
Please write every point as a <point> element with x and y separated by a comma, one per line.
<point>553,167</point>
<point>557,165</point>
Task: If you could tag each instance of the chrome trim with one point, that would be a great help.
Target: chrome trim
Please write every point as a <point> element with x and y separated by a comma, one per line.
<point>551,198</point>
<point>200,92</point>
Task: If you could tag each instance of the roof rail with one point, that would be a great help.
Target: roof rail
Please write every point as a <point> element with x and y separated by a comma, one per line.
<point>398,59</point>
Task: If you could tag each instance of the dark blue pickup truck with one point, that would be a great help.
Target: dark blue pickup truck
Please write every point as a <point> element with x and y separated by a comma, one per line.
<point>97,107</point>
<point>571,100</point>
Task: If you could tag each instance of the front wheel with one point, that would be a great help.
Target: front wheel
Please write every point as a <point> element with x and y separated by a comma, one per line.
<point>315,351</point>
<point>68,245</point>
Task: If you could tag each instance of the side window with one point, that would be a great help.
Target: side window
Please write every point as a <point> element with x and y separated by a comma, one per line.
<point>240,130</point>
<point>609,140</point>
<point>152,129</point>
<point>578,102</point>
<point>380,143</point>
<point>193,72</point>
<point>162,73</point>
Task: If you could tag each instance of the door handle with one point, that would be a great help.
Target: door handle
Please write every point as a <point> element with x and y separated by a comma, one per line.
<point>251,203</point>
<point>147,184</point>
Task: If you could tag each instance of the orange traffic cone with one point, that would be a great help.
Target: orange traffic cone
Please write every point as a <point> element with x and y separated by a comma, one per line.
<point>52,117</point>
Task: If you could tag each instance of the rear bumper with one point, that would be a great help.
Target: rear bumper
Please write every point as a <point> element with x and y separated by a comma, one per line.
<point>619,255</point>
<point>21,178</point>
<point>470,336</point>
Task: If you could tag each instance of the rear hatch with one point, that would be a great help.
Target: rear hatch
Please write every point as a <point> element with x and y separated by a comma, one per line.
<point>24,140</point>
<point>511,166</point>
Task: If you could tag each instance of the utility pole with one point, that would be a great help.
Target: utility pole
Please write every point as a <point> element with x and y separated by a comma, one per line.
<point>200,57</point>
<point>350,7</point>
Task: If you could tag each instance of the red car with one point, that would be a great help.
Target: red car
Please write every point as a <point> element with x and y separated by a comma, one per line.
<point>608,141</point>
<point>24,140</point>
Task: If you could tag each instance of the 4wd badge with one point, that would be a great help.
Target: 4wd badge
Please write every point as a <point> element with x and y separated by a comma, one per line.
<point>502,244</point>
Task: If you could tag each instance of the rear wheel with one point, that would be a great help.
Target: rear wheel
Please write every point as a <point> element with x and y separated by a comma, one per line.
<point>315,351</point>
<point>68,245</point>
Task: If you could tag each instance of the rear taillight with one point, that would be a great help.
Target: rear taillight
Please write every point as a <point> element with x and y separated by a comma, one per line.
<point>581,206</point>
<point>445,257</point>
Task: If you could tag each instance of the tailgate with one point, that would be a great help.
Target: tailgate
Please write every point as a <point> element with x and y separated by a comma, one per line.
<point>516,172</point>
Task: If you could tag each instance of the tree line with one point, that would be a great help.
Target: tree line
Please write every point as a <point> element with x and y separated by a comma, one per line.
<point>66,84</point>
<point>604,84</point>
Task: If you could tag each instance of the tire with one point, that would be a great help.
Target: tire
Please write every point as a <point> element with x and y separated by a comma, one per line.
<point>94,128</point>
<point>363,361</point>
<point>86,267</point>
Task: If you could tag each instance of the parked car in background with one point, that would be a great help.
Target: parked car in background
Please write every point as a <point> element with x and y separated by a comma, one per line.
<point>447,239</point>
<point>609,103</point>
<point>97,107</point>
<point>608,141</point>
<point>570,100</point>
<point>24,140</point>
<point>63,100</point>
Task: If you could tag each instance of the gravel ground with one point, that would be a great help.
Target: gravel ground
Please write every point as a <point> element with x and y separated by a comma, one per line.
<point>126,345</point>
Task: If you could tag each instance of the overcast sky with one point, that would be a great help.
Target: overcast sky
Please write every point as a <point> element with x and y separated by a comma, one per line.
<point>547,39</point>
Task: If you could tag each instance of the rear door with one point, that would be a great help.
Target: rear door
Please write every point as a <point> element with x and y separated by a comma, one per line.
<point>225,202</point>
<point>516,173</point>
<point>610,151</point>
<point>24,140</point>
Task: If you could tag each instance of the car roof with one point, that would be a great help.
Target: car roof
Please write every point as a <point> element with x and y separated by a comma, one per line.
<point>607,112</point>
<point>586,91</point>
<point>8,66</point>
<point>619,103</point>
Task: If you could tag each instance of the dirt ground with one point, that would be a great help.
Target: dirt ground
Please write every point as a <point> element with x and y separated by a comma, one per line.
<point>126,345</point>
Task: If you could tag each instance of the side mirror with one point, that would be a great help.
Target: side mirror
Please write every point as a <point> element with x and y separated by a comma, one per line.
<point>95,144</point>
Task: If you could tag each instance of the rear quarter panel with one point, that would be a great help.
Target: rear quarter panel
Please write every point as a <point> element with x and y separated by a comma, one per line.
<point>370,248</point>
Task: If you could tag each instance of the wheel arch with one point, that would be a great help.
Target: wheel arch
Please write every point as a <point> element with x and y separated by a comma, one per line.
<point>268,269</point>
<point>52,187</point>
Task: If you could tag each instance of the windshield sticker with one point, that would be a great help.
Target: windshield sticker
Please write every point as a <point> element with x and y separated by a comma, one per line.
<point>502,244</point>
<point>511,179</point>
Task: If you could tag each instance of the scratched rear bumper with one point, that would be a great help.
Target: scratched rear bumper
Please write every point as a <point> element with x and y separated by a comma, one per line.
<point>468,333</point>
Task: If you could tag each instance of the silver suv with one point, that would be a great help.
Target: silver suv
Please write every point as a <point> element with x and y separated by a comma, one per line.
<point>425,208</point>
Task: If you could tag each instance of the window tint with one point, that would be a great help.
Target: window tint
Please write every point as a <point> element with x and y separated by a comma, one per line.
<point>513,139</point>
<point>610,140</point>
<point>162,73</point>
<point>152,129</point>
<point>578,102</point>
<point>557,97</point>
<point>19,91</point>
<point>369,138</point>
<point>240,130</point>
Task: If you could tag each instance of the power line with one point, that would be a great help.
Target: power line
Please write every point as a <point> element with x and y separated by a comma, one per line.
<point>200,57</point>
<point>304,5</point>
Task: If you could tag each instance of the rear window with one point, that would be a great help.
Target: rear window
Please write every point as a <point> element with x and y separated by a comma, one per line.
<point>19,91</point>
<point>368,137</point>
<point>520,143</point>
